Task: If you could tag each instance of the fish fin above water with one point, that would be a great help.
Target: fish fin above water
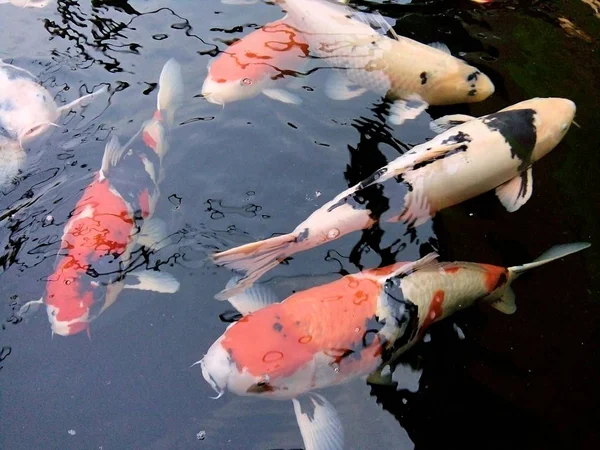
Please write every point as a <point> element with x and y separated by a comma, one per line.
<point>113,152</point>
<point>255,259</point>
<point>514,193</point>
<point>319,423</point>
<point>281,95</point>
<point>170,92</point>
<point>407,109</point>
<point>30,308</point>
<point>151,280</point>
<point>556,252</point>
<point>339,87</point>
<point>252,299</point>
<point>506,303</point>
<point>374,20</point>
<point>441,47</point>
<point>82,101</point>
<point>153,234</point>
<point>445,123</point>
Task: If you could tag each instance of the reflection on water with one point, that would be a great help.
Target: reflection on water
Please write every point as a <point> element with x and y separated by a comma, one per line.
<point>237,174</point>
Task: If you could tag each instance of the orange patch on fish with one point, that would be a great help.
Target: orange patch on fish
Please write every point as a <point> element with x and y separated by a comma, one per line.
<point>281,338</point>
<point>494,276</point>
<point>451,269</point>
<point>387,270</point>
<point>149,140</point>
<point>436,309</point>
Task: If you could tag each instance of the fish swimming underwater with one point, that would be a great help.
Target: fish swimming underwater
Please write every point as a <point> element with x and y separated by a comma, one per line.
<point>258,63</point>
<point>473,156</point>
<point>27,109</point>
<point>111,218</point>
<point>415,75</point>
<point>356,326</point>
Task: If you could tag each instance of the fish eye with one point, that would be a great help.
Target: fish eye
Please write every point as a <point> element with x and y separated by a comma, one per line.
<point>246,82</point>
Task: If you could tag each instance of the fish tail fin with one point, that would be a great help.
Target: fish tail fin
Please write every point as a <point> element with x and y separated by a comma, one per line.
<point>254,260</point>
<point>557,252</point>
<point>170,92</point>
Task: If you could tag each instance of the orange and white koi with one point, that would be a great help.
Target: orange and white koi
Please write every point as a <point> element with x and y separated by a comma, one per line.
<point>258,63</point>
<point>356,326</point>
<point>473,156</point>
<point>413,74</point>
<point>111,218</point>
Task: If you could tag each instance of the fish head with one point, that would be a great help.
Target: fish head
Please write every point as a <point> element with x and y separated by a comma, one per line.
<point>463,84</point>
<point>552,119</point>
<point>229,81</point>
<point>256,357</point>
<point>68,302</point>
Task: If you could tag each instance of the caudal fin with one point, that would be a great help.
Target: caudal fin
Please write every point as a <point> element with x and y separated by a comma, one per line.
<point>559,251</point>
<point>253,260</point>
<point>170,92</point>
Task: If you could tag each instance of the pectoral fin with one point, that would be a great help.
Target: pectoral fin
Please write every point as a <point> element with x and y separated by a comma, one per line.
<point>30,308</point>
<point>82,101</point>
<point>408,109</point>
<point>151,280</point>
<point>319,423</point>
<point>445,123</point>
<point>514,193</point>
<point>252,299</point>
<point>282,95</point>
<point>113,153</point>
<point>506,303</point>
<point>153,234</point>
<point>339,87</point>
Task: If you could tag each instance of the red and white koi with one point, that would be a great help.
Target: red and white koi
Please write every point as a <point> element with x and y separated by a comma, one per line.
<point>353,327</point>
<point>112,217</point>
<point>413,74</point>
<point>473,156</point>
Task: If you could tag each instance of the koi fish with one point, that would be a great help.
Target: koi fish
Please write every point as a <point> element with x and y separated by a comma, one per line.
<point>413,74</point>
<point>112,217</point>
<point>472,156</point>
<point>12,159</point>
<point>354,327</point>
<point>257,63</point>
<point>27,109</point>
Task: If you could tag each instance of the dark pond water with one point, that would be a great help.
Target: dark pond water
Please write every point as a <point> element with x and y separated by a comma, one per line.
<point>258,166</point>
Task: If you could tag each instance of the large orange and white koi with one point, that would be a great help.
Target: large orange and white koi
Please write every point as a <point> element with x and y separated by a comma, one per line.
<point>356,326</point>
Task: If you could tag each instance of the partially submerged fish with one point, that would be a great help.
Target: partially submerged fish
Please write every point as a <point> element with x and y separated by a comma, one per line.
<point>356,326</point>
<point>12,159</point>
<point>258,63</point>
<point>113,216</point>
<point>473,156</point>
<point>27,109</point>
<point>414,74</point>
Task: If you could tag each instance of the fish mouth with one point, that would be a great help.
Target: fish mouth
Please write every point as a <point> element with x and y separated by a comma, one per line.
<point>210,380</point>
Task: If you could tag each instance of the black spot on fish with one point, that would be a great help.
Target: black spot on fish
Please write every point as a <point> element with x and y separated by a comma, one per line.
<point>472,93</point>
<point>460,148</point>
<point>518,129</point>
<point>502,279</point>
<point>277,327</point>
<point>423,77</point>
<point>473,76</point>
<point>458,138</point>
<point>302,236</point>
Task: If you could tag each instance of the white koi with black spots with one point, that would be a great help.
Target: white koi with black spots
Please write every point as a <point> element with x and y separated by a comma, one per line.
<point>473,156</point>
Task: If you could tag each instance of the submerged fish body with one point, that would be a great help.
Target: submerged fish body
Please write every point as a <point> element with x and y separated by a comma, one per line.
<point>399,68</point>
<point>473,156</point>
<point>28,3</point>
<point>27,109</point>
<point>257,63</point>
<point>351,327</point>
<point>113,215</point>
